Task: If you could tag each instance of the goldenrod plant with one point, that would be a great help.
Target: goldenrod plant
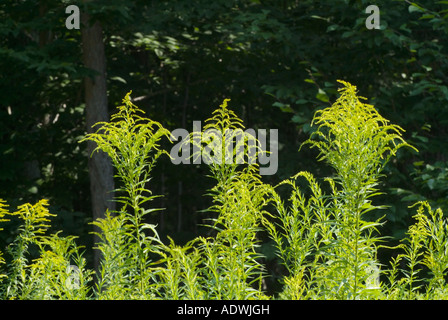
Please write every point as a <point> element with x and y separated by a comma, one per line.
<point>357,142</point>
<point>132,142</point>
<point>239,197</point>
<point>424,250</point>
<point>35,220</point>
<point>226,266</point>
<point>3,213</point>
<point>60,272</point>
<point>326,241</point>
<point>323,233</point>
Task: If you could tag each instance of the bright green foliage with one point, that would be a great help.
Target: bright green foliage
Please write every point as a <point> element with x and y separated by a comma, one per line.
<point>239,199</point>
<point>226,266</point>
<point>240,209</point>
<point>324,237</point>
<point>181,276</point>
<point>355,139</point>
<point>357,142</point>
<point>224,135</point>
<point>60,272</point>
<point>113,279</point>
<point>35,219</point>
<point>329,237</point>
<point>131,141</point>
<point>3,213</point>
<point>425,249</point>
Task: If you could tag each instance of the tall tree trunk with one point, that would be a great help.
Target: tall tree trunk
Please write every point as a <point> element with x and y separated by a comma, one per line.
<point>100,166</point>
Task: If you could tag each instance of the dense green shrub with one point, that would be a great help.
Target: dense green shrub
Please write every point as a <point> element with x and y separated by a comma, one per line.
<point>323,236</point>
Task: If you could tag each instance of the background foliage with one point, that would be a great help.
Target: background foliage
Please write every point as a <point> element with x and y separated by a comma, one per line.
<point>277,61</point>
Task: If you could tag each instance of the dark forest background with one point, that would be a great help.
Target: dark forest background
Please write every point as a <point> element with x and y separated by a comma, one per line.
<point>277,60</point>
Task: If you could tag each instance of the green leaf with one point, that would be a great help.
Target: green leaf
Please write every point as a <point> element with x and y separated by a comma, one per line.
<point>309,81</point>
<point>297,118</point>
<point>119,79</point>
<point>333,27</point>
<point>301,101</point>
<point>347,34</point>
<point>415,8</point>
<point>322,96</point>
<point>430,183</point>
<point>427,16</point>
